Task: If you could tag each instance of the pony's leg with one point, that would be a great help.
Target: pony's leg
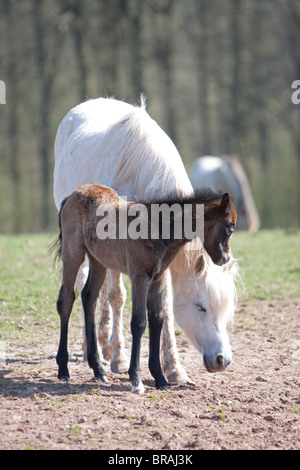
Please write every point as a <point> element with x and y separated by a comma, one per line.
<point>139,289</point>
<point>171,365</point>
<point>117,297</point>
<point>81,279</point>
<point>105,324</point>
<point>71,263</point>
<point>90,294</point>
<point>154,306</point>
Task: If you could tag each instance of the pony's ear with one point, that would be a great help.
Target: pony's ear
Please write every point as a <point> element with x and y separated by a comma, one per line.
<point>225,201</point>
<point>200,264</point>
<point>229,265</point>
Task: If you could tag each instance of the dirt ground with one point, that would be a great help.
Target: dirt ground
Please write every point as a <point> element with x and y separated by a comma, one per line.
<point>254,404</point>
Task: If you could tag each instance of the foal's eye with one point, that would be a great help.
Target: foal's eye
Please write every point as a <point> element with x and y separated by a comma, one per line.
<point>201,308</point>
<point>229,229</point>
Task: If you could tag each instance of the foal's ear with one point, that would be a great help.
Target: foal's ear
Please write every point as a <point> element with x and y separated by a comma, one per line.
<point>225,202</point>
<point>200,264</point>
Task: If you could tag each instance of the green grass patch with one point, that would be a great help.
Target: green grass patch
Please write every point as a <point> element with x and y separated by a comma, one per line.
<point>270,263</point>
<point>29,285</point>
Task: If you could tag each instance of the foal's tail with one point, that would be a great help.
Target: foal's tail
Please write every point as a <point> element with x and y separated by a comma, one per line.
<point>56,245</point>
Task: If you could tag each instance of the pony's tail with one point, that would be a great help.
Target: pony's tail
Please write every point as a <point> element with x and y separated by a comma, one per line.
<point>57,244</point>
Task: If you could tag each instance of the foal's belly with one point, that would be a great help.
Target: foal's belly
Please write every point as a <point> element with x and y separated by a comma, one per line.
<point>110,253</point>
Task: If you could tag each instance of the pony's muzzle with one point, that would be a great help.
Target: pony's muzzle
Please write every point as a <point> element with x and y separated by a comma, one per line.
<point>216,363</point>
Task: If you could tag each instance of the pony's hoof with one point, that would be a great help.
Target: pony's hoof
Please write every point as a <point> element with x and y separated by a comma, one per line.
<point>120,362</point>
<point>179,377</point>
<point>117,368</point>
<point>139,389</point>
<point>107,352</point>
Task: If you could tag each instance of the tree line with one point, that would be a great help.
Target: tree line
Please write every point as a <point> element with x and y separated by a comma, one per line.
<point>217,76</point>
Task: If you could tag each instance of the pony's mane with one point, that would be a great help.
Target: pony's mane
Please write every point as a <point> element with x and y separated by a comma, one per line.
<point>219,283</point>
<point>187,256</point>
<point>220,280</point>
<point>145,150</point>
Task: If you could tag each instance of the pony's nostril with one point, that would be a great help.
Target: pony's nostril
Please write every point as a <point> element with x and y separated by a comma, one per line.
<point>220,360</point>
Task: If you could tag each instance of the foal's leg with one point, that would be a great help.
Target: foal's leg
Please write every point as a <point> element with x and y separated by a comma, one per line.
<point>140,284</point>
<point>71,263</point>
<point>64,307</point>
<point>105,321</point>
<point>154,305</point>
<point>117,297</point>
<point>90,294</point>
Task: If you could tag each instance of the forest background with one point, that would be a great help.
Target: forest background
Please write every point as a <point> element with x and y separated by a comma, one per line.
<point>217,74</point>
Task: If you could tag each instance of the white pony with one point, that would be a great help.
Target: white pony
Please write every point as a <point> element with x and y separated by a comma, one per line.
<point>109,142</point>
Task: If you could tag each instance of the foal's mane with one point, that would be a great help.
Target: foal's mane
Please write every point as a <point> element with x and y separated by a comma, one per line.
<point>207,194</point>
<point>188,254</point>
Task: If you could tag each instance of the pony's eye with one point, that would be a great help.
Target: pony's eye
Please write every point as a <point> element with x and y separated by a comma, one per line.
<point>201,308</point>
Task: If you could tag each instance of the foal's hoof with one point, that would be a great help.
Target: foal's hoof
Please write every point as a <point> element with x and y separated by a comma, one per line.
<point>64,378</point>
<point>163,387</point>
<point>101,378</point>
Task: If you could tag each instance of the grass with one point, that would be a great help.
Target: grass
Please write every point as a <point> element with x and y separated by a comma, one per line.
<point>270,263</point>
<point>29,285</point>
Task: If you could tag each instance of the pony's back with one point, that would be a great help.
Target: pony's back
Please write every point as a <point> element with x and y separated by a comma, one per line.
<point>110,142</point>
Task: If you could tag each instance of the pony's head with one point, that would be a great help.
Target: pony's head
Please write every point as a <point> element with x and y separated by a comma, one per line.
<point>220,222</point>
<point>204,302</point>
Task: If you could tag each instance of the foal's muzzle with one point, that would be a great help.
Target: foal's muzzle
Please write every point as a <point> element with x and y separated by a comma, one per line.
<point>223,259</point>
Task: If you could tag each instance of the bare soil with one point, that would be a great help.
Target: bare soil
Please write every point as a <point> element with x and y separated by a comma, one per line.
<point>254,404</point>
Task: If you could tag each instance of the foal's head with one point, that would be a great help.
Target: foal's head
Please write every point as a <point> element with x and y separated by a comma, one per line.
<point>219,224</point>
